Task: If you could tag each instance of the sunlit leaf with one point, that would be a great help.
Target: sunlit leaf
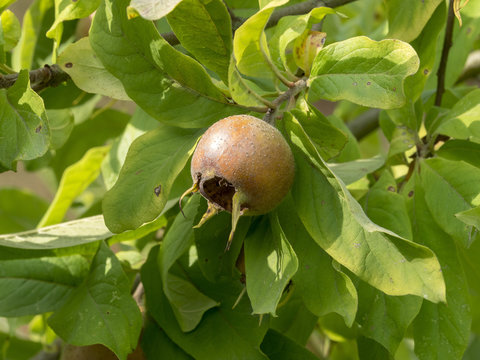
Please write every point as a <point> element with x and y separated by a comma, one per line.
<point>11,29</point>
<point>71,233</point>
<point>463,120</point>
<point>269,259</point>
<point>363,71</point>
<point>406,18</point>
<point>338,224</point>
<point>249,43</point>
<point>87,72</point>
<point>75,180</point>
<point>204,28</point>
<point>451,187</point>
<point>154,9</point>
<point>153,162</point>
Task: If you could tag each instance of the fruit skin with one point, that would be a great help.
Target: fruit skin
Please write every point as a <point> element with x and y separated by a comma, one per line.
<point>245,155</point>
<point>96,352</point>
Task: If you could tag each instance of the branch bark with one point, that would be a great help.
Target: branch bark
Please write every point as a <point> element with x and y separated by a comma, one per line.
<point>297,87</point>
<point>303,8</point>
<point>47,76</point>
<point>295,9</point>
<point>447,44</point>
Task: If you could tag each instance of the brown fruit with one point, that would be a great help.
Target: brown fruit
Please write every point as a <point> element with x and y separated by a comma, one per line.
<point>242,165</point>
<point>96,352</point>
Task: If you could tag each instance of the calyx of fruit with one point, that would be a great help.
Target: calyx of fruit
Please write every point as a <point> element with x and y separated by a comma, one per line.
<point>241,165</point>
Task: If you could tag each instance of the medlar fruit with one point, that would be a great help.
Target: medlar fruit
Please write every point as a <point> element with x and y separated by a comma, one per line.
<point>241,165</point>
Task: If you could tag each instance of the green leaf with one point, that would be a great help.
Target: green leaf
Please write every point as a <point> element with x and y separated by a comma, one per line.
<point>440,330</point>
<point>140,232</point>
<point>210,240</point>
<point>270,263</point>
<point>16,348</point>
<point>384,318</point>
<point>385,207</point>
<point>470,217</point>
<point>293,319</point>
<point>403,139</point>
<point>372,350</point>
<point>463,120</point>
<point>406,116</point>
<point>89,131</point>
<point>5,3</point>
<point>150,69</point>
<point>351,150</point>
<point>153,162</point>
<point>461,150</point>
<point>61,123</point>
<point>101,310</point>
<point>426,46</point>
<point>87,72</point>
<point>407,18</point>
<point>11,29</point>
<point>450,187</point>
<point>279,347</point>
<point>351,171</point>
<point>463,45</point>
<point>338,224</point>
<point>241,334</point>
<point>154,9</point>
<point>75,180</point>
<point>34,18</point>
<point>240,90</point>
<point>139,124</point>
<point>70,10</point>
<point>328,139</point>
<point>15,218</point>
<point>59,236</point>
<point>363,71</point>
<point>322,285</point>
<point>250,44</point>
<point>23,123</point>
<point>204,28</point>
<point>35,286</point>
<point>155,341</point>
<point>469,258</point>
<point>188,303</point>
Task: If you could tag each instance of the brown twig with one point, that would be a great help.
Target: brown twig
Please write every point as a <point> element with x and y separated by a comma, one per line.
<point>303,8</point>
<point>47,76</point>
<point>138,296</point>
<point>295,9</point>
<point>297,87</point>
<point>447,44</point>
